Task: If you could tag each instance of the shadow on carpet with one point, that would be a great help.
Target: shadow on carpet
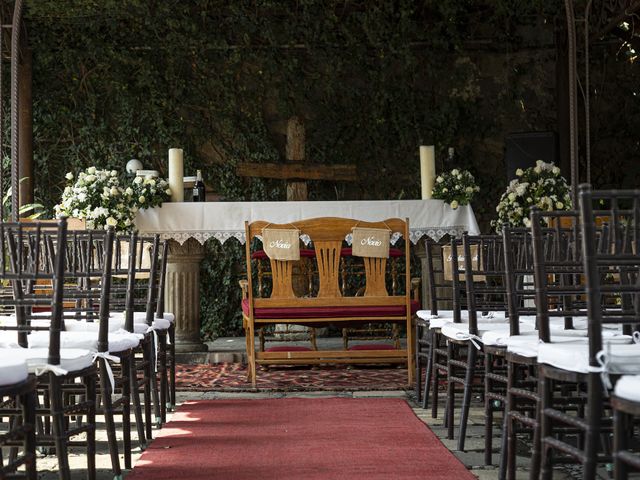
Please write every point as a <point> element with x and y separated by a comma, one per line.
<point>232,377</point>
<point>297,438</point>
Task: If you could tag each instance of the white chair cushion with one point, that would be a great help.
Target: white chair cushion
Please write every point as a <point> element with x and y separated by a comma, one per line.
<point>579,323</point>
<point>574,357</point>
<point>119,341</point>
<point>12,370</point>
<point>529,334</point>
<point>8,339</point>
<point>460,331</point>
<point>71,359</point>
<point>526,345</point>
<point>141,317</point>
<point>446,316</point>
<point>628,387</point>
<point>84,326</point>
<point>116,324</point>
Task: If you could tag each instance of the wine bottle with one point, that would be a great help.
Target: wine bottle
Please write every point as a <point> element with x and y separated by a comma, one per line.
<point>198,188</point>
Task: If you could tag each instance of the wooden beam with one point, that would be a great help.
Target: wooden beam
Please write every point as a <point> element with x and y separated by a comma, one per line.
<point>286,171</point>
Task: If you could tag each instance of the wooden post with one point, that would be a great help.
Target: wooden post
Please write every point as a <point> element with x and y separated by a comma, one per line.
<point>296,190</point>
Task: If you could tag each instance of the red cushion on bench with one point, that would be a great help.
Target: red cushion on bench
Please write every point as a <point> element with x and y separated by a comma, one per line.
<point>328,312</point>
<point>288,348</point>
<point>393,252</point>
<point>304,252</point>
<point>373,346</point>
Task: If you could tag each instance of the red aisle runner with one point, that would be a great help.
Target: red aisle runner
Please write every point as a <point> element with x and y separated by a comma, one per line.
<point>297,438</point>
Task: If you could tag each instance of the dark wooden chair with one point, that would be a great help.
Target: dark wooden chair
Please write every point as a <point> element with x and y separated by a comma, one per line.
<point>483,274</point>
<point>560,248</point>
<point>429,348</point>
<point>626,410</point>
<point>611,289</point>
<point>18,402</point>
<point>34,258</point>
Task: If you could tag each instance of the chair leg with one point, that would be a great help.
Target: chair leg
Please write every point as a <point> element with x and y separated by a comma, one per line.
<point>509,433</point>
<point>90,386</point>
<point>107,403</point>
<point>28,403</point>
<point>172,368</point>
<point>427,379</point>
<point>592,437</point>
<point>126,408</point>
<point>545,386</point>
<point>502,467</point>
<point>153,377</point>
<point>418,389</point>
<point>435,375</point>
<point>472,353</point>
<point>137,407</point>
<point>620,443</point>
<point>450,390</point>
<point>164,381</point>
<point>534,466</point>
<point>146,387</point>
<point>252,356</point>
<point>488,410</point>
<point>57,420</point>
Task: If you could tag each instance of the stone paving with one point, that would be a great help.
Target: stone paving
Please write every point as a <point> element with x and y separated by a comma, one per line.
<point>473,457</point>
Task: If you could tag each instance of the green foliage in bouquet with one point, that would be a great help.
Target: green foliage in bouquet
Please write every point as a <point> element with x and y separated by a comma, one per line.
<point>540,186</point>
<point>456,187</point>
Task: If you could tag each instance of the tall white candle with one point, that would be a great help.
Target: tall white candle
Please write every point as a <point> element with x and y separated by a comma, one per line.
<point>427,169</point>
<point>176,174</point>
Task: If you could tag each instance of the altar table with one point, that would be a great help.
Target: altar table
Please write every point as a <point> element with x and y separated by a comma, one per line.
<point>189,225</point>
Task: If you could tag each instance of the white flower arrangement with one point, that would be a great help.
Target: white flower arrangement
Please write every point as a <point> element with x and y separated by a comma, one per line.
<point>456,187</point>
<point>540,186</point>
<point>98,197</point>
<point>150,191</point>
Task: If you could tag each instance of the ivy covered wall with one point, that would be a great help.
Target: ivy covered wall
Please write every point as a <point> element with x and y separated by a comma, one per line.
<point>373,80</point>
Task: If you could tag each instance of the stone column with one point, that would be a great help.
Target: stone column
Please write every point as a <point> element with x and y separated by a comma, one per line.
<point>182,293</point>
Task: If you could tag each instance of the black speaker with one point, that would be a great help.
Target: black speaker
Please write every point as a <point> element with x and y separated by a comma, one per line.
<point>521,150</point>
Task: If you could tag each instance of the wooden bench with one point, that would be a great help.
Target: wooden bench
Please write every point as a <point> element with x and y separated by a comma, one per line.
<point>326,304</point>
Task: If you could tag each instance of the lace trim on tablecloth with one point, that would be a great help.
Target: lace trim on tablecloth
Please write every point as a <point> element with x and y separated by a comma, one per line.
<point>415,234</point>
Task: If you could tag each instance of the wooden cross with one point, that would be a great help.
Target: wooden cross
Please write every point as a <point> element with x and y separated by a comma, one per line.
<point>296,171</point>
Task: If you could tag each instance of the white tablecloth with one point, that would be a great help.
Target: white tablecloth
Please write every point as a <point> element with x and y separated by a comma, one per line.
<point>225,220</point>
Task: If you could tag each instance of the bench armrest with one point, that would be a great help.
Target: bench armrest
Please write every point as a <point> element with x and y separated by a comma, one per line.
<point>415,288</point>
<point>244,285</point>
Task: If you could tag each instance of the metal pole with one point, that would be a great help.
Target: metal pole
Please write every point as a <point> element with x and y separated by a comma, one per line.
<point>15,54</point>
<point>586,93</point>
<point>573,114</point>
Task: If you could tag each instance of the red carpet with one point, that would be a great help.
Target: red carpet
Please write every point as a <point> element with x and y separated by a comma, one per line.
<point>297,438</point>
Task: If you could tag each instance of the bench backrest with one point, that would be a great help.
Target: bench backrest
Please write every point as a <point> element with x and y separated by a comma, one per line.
<point>327,235</point>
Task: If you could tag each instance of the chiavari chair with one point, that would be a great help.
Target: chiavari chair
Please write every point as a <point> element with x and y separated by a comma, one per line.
<point>611,289</point>
<point>483,275</point>
<point>625,403</point>
<point>32,262</point>
<point>18,392</point>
